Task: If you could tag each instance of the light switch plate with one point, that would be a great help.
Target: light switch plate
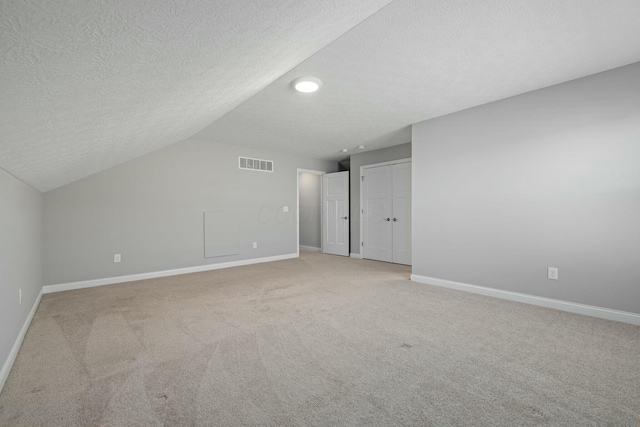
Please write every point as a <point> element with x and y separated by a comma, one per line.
<point>117,258</point>
<point>285,209</point>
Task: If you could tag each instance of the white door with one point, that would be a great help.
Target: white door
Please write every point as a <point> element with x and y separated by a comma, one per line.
<point>401,213</point>
<point>377,213</point>
<point>335,213</point>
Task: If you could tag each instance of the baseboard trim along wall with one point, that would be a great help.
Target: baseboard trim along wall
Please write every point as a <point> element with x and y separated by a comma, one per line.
<point>8,364</point>
<point>309,248</point>
<point>572,307</point>
<point>155,274</point>
<point>357,256</point>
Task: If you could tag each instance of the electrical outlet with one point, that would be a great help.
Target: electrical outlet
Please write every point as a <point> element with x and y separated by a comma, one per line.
<point>20,296</point>
<point>255,245</point>
<point>552,273</point>
<point>117,258</point>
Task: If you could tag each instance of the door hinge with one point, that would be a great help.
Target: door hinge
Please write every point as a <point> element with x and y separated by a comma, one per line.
<point>362,244</point>
<point>362,178</point>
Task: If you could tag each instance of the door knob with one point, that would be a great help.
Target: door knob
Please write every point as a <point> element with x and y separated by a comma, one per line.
<point>395,219</point>
<point>387,219</point>
<point>346,217</point>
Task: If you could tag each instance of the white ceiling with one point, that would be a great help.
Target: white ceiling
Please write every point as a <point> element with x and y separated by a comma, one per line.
<point>88,85</point>
<point>419,59</point>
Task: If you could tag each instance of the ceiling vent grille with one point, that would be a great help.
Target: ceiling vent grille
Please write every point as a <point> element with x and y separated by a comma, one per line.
<point>255,164</point>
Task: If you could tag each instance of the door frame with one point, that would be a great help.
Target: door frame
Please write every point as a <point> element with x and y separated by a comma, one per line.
<point>362,168</point>
<point>313,172</point>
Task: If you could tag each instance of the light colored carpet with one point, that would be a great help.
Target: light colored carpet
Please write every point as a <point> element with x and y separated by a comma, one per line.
<point>322,341</point>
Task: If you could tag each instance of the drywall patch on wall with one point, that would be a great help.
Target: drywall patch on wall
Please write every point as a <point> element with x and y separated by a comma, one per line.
<point>220,233</point>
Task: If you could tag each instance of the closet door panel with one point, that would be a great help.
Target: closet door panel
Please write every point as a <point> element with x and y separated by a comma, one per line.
<point>401,178</point>
<point>377,205</point>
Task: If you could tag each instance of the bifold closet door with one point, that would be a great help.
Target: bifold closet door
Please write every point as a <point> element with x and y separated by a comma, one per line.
<point>377,212</point>
<point>401,213</point>
<point>386,213</point>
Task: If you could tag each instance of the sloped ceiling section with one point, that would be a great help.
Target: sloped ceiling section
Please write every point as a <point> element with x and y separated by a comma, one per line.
<point>88,85</point>
<point>420,59</point>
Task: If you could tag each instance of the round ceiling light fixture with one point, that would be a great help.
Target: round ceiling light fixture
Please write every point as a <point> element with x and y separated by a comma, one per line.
<point>306,84</point>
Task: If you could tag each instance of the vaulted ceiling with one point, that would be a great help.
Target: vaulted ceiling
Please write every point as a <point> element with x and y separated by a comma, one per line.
<point>87,86</point>
<point>419,59</point>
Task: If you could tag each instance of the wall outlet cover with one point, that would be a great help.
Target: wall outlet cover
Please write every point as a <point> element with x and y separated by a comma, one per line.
<point>552,273</point>
<point>285,209</point>
<point>117,258</point>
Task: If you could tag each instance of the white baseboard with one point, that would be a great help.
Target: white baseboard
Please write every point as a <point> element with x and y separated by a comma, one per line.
<point>165,273</point>
<point>572,307</point>
<point>357,256</point>
<point>309,248</point>
<point>8,364</point>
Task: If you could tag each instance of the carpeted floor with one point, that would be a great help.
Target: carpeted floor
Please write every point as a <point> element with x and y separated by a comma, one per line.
<point>320,340</point>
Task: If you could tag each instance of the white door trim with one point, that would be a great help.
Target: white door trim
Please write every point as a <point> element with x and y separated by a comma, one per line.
<point>314,172</point>
<point>390,162</point>
<point>374,165</point>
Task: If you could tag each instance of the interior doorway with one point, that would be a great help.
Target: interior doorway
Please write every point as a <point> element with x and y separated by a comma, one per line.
<point>310,210</point>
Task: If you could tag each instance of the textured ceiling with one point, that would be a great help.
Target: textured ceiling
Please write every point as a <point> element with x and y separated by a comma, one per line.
<point>88,85</point>
<point>419,59</point>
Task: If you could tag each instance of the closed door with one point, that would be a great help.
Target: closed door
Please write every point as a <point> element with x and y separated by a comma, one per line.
<point>335,215</point>
<point>401,213</point>
<point>377,212</point>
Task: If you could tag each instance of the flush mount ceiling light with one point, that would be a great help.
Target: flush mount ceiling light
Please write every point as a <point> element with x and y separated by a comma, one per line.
<point>360,147</point>
<point>344,150</point>
<point>306,84</point>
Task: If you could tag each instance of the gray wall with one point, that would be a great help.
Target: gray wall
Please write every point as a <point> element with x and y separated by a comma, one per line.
<point>310,210</point>
<point>20,256</point>
<point>368,158</point>
<point>151,211</point>
<point>548,178</point>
